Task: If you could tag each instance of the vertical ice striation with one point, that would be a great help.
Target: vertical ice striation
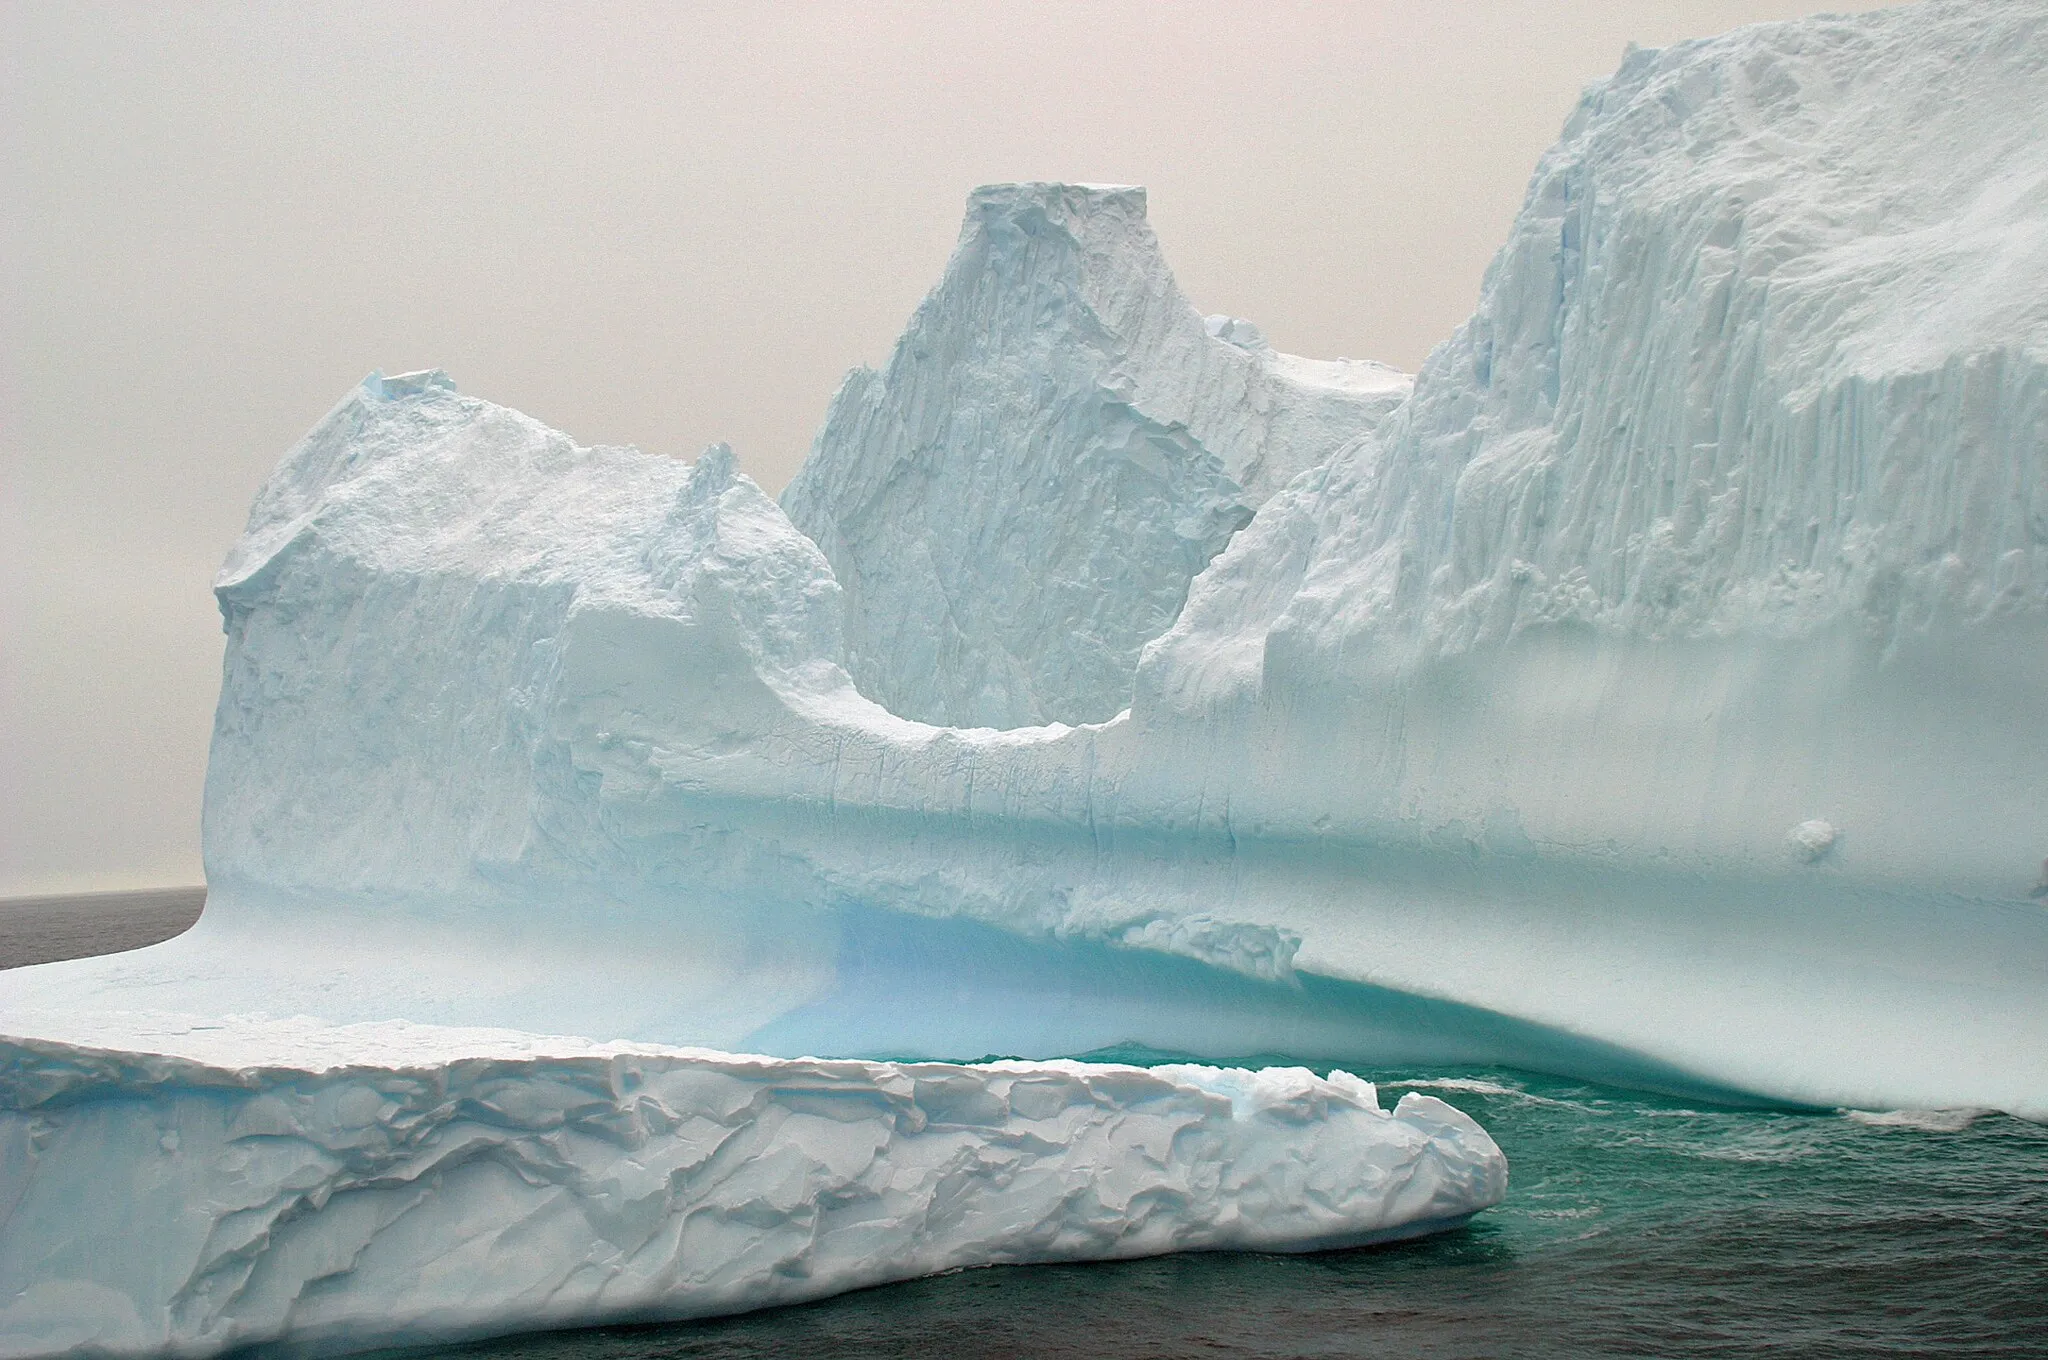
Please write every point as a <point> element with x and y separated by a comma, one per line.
<point>1729,506</point>
<point>1017,502</point>
<point>1766,352</point>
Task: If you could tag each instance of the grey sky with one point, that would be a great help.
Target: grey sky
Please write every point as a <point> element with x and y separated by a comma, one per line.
<point>660,225</point>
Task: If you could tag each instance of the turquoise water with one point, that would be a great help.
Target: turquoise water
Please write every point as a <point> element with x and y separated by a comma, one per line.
<point>1634,1226</point>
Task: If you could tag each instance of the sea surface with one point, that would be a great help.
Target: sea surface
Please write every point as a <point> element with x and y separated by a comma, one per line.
<point>1634,1226</point>
<point>79,925</point>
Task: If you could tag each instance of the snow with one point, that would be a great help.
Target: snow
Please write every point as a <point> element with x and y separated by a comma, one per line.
<point>1016,503</point>
<point>1812,840</point>
<point>397,1183</point>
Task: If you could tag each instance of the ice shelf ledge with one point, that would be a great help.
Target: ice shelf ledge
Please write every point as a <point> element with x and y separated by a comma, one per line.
<point>262,1181</point>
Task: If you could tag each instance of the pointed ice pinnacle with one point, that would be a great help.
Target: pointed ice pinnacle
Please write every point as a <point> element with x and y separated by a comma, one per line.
<point>1016,503</point>
<point>414,384</point>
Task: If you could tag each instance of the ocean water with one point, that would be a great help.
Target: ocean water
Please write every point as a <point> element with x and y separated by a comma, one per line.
<point>1635,1226</point>
<point>76,926</point>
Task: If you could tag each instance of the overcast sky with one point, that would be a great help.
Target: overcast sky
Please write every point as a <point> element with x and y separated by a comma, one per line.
<point>661,225</point>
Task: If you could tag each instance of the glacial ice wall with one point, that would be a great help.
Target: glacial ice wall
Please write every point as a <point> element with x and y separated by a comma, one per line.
<point>398,1183</point>
<point>424,581</point>
<point>1728,509</point>
<point>1763,355</point>
<point>1016,503</point>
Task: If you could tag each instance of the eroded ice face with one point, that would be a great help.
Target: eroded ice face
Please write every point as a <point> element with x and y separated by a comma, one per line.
<point>397,1182</point>
<point>1657,695</point>
<point>1016,503</point>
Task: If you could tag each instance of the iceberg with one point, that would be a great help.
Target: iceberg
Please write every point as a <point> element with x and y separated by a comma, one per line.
<point>471,668</point>
<point>1652,694</point>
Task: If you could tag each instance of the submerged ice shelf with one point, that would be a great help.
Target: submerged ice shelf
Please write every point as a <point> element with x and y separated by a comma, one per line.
<point>1654,696</point>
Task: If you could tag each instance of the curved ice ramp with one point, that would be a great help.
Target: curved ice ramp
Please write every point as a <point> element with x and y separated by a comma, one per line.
<point>344,1186</point>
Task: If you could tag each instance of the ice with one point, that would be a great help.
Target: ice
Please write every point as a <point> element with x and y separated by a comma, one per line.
<point>1656,696</point>
<point>1811,841</point>
<point>1480,743</point>
<point>1923,1121</point>
<point>397,1183</point>
<point>505,727</point>
<point>1016,503</point>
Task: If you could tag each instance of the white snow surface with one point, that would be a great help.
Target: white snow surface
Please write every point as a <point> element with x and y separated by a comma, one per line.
<point>1016,503</point>
<point>301,1183</point>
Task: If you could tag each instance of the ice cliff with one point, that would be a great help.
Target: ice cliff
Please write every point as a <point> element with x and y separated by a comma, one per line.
<point>1060,443</point>
<point>1656,695</point>
<point>1763,358</point>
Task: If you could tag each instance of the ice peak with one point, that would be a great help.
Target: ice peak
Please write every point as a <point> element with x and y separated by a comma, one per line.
<point>1060,202</point>
<point>714,469</point>
<point>415,384</point>
<point>1056,422</point>
<point>1027,247</point>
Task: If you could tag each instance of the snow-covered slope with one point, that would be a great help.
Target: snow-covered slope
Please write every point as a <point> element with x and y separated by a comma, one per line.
<point>1017,502</point>
<point>393,1183</point>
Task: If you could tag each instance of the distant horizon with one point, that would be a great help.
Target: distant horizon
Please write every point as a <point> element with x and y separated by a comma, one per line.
<point>668,228</point>
<point>155,890</point>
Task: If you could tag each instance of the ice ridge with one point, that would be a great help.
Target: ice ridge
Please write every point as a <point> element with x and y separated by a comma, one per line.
<point>1016,503</point>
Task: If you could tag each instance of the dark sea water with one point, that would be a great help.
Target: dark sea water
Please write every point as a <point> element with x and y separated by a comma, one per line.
<point>76,926</point>
<point>1634,1226</point>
